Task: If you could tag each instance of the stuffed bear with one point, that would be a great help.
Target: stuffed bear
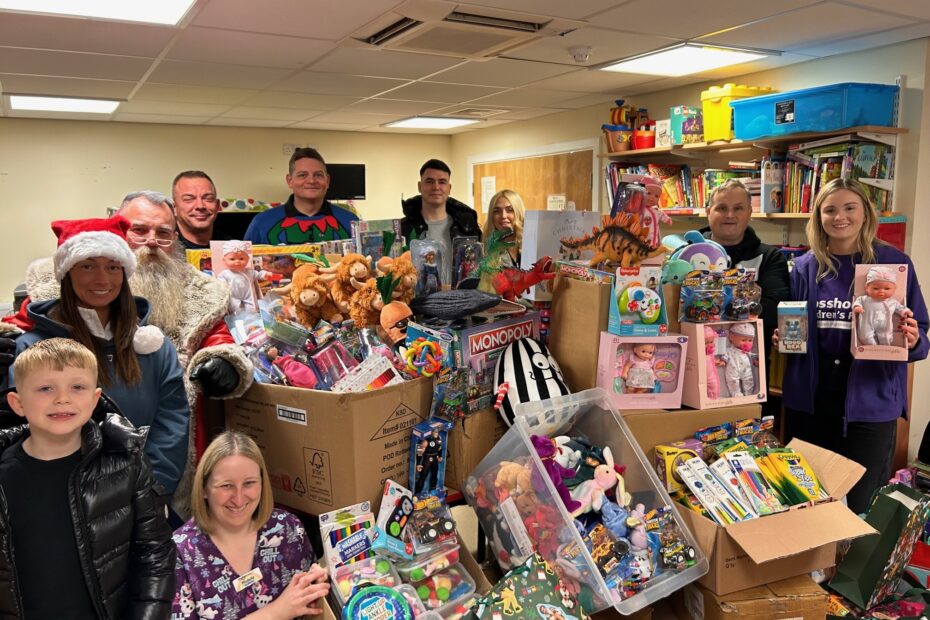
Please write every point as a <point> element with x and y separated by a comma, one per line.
<point>311,297</point>
<point>346,278</point>
<point>546,450</point>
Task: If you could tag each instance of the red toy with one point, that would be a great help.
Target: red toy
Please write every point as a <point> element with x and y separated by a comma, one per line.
<point>511,282</point>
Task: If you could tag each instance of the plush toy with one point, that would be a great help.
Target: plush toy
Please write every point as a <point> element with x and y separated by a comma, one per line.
<point>639,540</point>
<point>513,478</point>
<point>394,318</point>
<point>526,368</point>
<point>694,249</point>
<point>590,495</point>
<point>614,517</point>
<point>311,298</point>
<point>568,455</point>
<point>546,450</point>
<point>401,268</point>
<point>368,301</point>
<point>543,528</point>
<point>348,276</point>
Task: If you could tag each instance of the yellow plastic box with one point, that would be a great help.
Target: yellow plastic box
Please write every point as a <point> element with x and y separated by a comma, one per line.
<point>718,115</point>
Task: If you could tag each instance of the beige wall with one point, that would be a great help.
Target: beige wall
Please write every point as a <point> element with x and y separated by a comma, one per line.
<point>68,169</point>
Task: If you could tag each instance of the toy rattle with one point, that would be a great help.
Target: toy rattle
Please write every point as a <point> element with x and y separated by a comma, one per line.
<point>423,357</point>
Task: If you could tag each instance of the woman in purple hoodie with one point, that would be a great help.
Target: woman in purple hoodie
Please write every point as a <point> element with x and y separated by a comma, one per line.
<point>848,406</point>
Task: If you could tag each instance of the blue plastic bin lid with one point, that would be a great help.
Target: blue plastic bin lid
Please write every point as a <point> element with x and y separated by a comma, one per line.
<point>813,90</point>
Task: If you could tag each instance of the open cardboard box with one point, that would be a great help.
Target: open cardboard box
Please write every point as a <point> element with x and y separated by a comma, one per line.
<point>796,598</point>
<point>767,549</point>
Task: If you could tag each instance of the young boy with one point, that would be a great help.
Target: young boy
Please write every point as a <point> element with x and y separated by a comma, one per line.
<point>80,533</point>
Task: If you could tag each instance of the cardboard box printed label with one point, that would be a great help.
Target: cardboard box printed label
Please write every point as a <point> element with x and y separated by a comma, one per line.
<point>642,372</point>
<point>725,364</point>
<point>878,309</point>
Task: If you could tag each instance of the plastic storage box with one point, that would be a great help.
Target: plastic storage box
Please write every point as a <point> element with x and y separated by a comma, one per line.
<point>718,115</point>
<point>590,414</point>
<point>824,108</point>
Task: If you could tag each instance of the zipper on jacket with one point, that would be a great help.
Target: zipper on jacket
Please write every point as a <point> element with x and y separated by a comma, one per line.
<point>5,522</point>
<point>82,531</point>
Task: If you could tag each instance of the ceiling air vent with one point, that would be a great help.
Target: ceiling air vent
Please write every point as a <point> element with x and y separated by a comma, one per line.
<point>394,30</point>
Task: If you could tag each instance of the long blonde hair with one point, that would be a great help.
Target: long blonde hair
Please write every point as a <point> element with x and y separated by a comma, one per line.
<point>518,211</point>
<point>817,236</point>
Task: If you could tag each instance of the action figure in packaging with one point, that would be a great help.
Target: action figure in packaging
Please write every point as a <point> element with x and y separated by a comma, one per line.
<point>427,457</point>
<point>746,299</point>
<point>427,259</point>
<point>876,309</point>
<point>739,363</point>
<point>468,252</point>
<point>239,275</point>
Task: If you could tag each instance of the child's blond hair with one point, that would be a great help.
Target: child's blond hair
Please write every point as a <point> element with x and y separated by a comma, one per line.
<point>53,354</point>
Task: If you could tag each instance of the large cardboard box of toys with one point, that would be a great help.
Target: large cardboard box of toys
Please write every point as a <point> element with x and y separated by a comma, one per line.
<point>769,548</point>
<point>326,449</point>
<point>796,598</point>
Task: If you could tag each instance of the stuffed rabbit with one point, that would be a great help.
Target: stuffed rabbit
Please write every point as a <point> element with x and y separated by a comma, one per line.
<point>591,493</point>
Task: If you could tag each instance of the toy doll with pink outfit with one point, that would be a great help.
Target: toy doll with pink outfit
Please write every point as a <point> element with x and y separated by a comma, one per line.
<point>729,369</point>
<point>642,372</point>
<point>878,311</point>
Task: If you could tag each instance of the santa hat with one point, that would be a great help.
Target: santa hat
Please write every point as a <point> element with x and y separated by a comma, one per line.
<point>880,274</point>
<point>743,329</point>
<point>92,238</point>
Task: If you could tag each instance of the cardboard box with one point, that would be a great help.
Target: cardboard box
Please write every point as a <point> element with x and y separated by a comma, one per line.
<point>697,365</point>
<point>542,235</point>
<point>663,132</point>
<point>325,450</point>
<point>579,315</point>
<point>667,371</point>
<point>686,124</point>
<point>865,328</point>
<point>797,598</point>
<point>469,441</point>
<point>767,549</point>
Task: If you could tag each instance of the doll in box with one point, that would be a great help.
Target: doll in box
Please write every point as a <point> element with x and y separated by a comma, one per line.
<point>875,311</point>
<point>739,364</point>
<point>638,372</point>
<point>241,278</point>
<point>710,354</point>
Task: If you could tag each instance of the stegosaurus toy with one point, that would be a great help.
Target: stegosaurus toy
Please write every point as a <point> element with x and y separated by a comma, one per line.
<point>621,240</point>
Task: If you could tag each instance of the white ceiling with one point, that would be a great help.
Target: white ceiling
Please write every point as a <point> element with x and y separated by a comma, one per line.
<point>298,63</point>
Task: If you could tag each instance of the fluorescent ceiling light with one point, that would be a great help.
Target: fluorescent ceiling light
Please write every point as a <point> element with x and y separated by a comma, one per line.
<point>168,12</point>
<point>62,104</point>
<point>431,122</point>
<point>685,59</point>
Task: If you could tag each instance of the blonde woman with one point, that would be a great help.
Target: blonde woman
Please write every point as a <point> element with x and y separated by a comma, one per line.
<point>238,552</point>
<point>505,210</point>
<point>846,405</point>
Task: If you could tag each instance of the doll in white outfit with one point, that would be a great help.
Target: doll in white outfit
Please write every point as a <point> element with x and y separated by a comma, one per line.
<point>876,309</point>
<point>738,373</point>
<point>241,278</point>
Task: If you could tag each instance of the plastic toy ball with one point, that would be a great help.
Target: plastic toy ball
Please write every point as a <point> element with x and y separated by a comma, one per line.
<point>423,357</point>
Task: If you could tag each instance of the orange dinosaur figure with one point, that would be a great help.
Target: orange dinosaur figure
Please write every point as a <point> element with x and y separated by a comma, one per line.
<point>621,239</point>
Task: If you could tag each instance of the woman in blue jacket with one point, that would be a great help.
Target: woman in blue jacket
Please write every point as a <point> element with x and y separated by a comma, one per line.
<point>848,406</point>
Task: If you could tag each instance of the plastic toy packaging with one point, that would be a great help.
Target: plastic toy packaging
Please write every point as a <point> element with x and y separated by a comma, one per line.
<point>374,601</point>
<point>428,261</point>
<point>333,362</point>
<point>792,327</point>
<point>370,343</point>
<point>450,397</point>
<point>279,320</point>
<point>703,296</point>
<point>244,325</point>
<point>373,570</point>
<point>430,527</point>
<point>746,298</point>
<point>347,534</point>
<point>440,591</point>
<point>373,373</point>
<point>628,198</point>
<point>428,458</point>
<point>467,254</point>
<point>426,565</point>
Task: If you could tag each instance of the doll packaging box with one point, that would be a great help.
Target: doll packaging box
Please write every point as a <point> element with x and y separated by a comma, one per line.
<point>637,305</point>
<point>878,310</point>
<point>642,372</point>
<point>725,364</point>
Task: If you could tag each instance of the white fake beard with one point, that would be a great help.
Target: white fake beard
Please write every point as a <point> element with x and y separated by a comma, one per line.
<point>160,279</point>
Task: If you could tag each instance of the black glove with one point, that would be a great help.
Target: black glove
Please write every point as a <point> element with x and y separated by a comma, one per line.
<point>216,376</point>
<point>7,351</point>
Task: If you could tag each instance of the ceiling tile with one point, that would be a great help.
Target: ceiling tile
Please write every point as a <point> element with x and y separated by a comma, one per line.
<point>382,63</point>
<point>268,114</point>
<point>247,122</point>
<point>804,27</point>
<point>577,9</point>
<point>584,101</point>
<point>72,64</point>
<point>65,87</point>
<point>171,107</point>
<point>682,22</point>
<point>879,39</point>
<point>522,114</point>
<point>169,119</point>
<point>354,118</point>
<point>500,72</point>
<point>606,45</point>
<point>275,99</point>
<point>246,48</point>
<point>83,35</point>
<point>525,97</point>
<point>327,126</point>
<point>193,94</point>
<point>913,8</point>
<point>215,74</point>
<point>391,106</point>
<point>335,84</point>
<point>593,81</point>
<point>444,93</point>
<point>320,19</point>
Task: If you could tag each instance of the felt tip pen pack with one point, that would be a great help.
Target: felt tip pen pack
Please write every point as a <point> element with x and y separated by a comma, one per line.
<point>733,503</point>
<point>795,479</point>
<point>727,477</point>
<point>702,491</point>
<point>754,485</point>
<point>347,534</point>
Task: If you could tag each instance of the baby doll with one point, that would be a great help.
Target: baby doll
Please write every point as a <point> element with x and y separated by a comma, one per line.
<point>241,278</point>
<point>710,354</point>
<point>649,212</point>
<point>875,310</point>
<point>740,342</point>
<point>638,372</point>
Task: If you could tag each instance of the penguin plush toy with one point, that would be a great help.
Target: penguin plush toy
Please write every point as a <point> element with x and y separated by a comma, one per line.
<point>526,372</point>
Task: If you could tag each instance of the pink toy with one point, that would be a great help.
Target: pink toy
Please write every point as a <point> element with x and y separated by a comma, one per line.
<point>590,494</point>
<point>638,538</point>
<point>875,310</point>
<point>547,449</point>
<point>638,373</point>
<point>649,212</point>
<point>713,381</point>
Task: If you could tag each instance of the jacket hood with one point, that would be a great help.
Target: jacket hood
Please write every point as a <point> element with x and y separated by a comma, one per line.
<point>38,312</point>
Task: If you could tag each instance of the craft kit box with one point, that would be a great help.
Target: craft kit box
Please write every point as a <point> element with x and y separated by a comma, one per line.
<point>767,549</point>
<point>542,235</point>
<point>687,125</point>
<point>325,450</point>
<point>699,384</point>
<point>625,382</point>
<point>876,333</point>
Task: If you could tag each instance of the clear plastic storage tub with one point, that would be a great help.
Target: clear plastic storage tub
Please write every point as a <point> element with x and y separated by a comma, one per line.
<point>824,108</point>
<point>515,532</point>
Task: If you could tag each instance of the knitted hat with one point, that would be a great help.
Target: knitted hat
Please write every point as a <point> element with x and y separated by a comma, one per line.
<point>237,246</point>
<point>91,238</point>
<point>743,329</point>
<point>880,274</point>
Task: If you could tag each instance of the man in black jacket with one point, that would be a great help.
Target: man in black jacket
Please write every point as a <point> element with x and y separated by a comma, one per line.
<point>728,216</point>
<point>435,215</point>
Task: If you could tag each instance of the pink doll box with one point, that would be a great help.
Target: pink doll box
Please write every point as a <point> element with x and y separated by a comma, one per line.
<point>666,366</point>
<point>695,391</point>
<point>867,326</point>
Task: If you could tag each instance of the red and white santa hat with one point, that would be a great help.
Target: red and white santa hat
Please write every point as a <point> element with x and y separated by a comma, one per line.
<point>92,238</point>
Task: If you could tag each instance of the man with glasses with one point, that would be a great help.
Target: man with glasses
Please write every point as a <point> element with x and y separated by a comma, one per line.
<point>196,207</point>
<point>436,215</point>
<point>306,217</point>
<point>187,305</point>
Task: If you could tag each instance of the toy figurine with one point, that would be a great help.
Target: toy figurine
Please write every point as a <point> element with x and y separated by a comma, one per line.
<point>546,449</point>
<point>467,252</point>
<point>511,282</point>
<point>241,277</point>
<point>429,456</point>
<point>498,244</point>
<point>590,495</point>
<point>648,209</point>
<point>710,354</point>
<point>394,318</point>
<point>875,310</point>
<point>740,343</point>
<point>620,240</point>
<point>638,372</point>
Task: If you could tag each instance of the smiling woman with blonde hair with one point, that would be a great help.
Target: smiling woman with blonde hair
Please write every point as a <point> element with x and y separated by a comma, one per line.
<point>506,210</point>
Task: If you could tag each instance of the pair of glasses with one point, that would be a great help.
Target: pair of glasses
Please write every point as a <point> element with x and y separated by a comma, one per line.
<point>142,239</point>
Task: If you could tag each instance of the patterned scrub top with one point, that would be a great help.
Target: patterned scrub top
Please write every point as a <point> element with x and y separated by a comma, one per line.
<point>204,579</point>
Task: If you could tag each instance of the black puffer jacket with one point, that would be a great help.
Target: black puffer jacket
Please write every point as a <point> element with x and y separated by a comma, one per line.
<point>464,219</point>
<point>123,539</point>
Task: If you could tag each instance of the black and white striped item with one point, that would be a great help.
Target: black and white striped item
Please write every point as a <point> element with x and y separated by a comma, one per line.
<point>531,373</point>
